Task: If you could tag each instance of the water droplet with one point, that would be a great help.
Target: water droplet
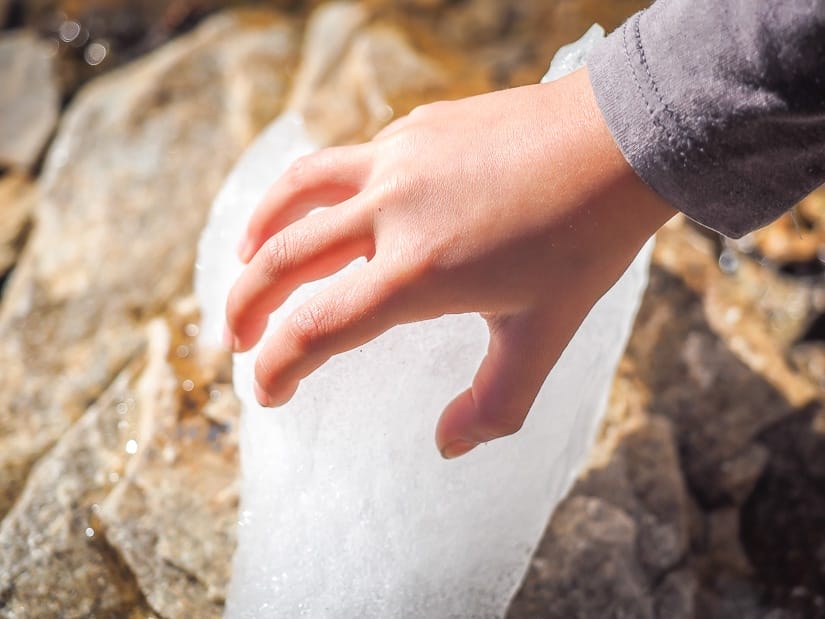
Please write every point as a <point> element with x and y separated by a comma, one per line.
<point>122,408</point>
<point>131,446</point>
<point>122,425</point>
<point>728,261</point>
<point>191,330</point>
<point>95,53</point>
<point>69,31</point>
<point>114,477</point>
<point>90,532</point>
<point>182,351</point>
<point>187,385</point>
<point>215,395</point>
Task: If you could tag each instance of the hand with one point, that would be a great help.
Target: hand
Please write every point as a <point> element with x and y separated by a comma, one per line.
<point>516,204</point>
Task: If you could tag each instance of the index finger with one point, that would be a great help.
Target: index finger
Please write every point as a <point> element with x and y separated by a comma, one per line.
<point>351,312</point>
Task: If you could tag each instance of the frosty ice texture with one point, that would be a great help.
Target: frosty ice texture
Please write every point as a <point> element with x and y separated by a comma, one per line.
<point>347,508</point>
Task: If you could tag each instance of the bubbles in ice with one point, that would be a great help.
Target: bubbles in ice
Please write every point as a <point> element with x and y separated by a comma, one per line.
<point>347,508</point>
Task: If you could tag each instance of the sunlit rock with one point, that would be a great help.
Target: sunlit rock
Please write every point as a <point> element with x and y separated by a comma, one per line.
<point>125,192</point>
<point>348,509</point>
<point>137,502</point>
<point>17,199</point>
<point>29,99</point>
<point>353,73</point>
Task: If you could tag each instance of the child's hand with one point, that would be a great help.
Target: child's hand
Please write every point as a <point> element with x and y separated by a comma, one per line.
<point>516,204</point>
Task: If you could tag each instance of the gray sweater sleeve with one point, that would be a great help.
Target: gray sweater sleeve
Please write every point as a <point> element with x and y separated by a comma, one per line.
<point>719,105</point>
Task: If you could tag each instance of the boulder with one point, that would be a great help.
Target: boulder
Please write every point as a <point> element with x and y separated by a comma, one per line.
<point>134,509</point>
<point>17,200</point>
<point>586,567</point>
<point>125,191</point>
<point>29,99</point>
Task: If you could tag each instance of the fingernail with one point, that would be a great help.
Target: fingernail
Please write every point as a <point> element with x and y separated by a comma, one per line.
<point>229,341</point>
<point>262,396</point>
<point>457,448</point>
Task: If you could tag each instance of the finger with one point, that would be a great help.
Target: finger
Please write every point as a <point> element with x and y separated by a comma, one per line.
<point>521,353</point>
<point>353,311</point>
<point>325,178</point>
<point>308,249</point>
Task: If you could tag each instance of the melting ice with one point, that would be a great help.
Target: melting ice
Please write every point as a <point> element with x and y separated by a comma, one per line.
<point>347,508</point>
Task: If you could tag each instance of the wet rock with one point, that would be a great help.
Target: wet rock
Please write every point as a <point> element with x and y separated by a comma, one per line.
<point>54,558</point>
<point>586,567</point>
<point>184,463</point>
<point>29,100</point>
<point>135,506</point>
<point>138,149</point>
<point>17,200</point>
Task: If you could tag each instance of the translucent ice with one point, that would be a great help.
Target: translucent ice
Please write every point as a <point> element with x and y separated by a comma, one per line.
<point>347,508</point>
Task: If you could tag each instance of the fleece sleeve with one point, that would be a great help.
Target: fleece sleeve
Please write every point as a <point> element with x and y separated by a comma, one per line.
<point>719,105</point>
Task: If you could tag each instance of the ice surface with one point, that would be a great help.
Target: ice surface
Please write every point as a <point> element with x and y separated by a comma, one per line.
<point>347,508</point>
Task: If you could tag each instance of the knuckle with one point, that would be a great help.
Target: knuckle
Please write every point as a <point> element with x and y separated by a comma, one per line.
<point>496,425</point>
<point>307,328</point>
<point>298,173</point>
<point>276,257</point>
<point>264,372</point>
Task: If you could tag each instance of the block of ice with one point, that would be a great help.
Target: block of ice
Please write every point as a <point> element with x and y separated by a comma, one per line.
<point>347,508</point>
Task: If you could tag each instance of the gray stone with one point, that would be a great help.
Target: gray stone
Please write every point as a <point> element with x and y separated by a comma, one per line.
<point>29,99</point>
<point>643,477</point>
<point>586,567</point>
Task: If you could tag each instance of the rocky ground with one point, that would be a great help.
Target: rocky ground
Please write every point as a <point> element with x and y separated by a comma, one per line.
<point>705,497</point>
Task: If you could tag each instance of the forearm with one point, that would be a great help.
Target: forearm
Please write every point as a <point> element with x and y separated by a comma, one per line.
<point>719,105</point>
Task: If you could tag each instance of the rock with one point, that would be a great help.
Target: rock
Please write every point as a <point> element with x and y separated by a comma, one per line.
<point>675,597</point>
<point>17,201</point>
<point>136,502</point>
<point>757,313</point>
<point>716,403</point>
<point>29,100</point>
<point>643,477</point>
<point>354,78</point>
<point>185,463</point>
<point>588,567</point>
<point>138,149</point>
<point>798,237</point>
<point>724,546</point>
<point>54,558</point>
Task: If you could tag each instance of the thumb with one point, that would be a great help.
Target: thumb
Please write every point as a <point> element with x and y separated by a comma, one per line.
<point>522,351</point>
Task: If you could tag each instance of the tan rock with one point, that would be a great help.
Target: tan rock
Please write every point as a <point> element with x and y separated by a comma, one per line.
<point>125,191</point>
<point>54,558</point>
<point>17,201</point>
<point>352,75</point>
<point>29,99</point>
<point>172,518</point>
<point>136,503</point>
<point>796,237</point>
